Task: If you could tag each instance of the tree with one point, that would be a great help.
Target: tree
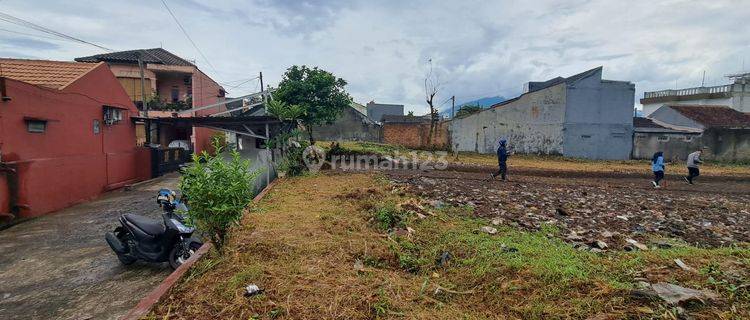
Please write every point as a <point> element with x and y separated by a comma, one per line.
<point>411,113</point>
<point>431,88</point>
<point>467,110</point>
<point>319,94</point>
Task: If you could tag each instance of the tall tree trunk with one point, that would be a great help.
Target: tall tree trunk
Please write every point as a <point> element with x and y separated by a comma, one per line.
<point>309,133</point>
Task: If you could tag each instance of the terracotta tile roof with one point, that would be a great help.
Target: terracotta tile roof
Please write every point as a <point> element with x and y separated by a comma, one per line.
<point>155,55</point>
<point>44,73</point>
<point>714,116</point>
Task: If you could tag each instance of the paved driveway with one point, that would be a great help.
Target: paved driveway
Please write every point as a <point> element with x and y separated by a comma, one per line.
<point>60,267</point>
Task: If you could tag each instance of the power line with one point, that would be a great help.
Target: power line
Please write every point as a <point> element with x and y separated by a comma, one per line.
<point>21,22</point>
<point>31,34</point>
<point>188,36</point>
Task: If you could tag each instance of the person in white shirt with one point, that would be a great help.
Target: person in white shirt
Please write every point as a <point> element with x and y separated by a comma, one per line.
<point>693,161</point>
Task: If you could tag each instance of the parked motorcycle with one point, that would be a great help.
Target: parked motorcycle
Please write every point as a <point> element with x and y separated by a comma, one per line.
<point>150,240</point>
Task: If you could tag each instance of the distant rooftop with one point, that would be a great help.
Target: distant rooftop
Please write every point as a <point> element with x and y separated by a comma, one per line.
<point>714,116</point>
<point>45,73</point>
<point>155,56</point>
<point>392,118</point>
<point>532,86</point>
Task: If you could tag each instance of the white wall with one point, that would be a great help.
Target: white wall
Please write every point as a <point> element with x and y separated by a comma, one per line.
<point>531,124</point>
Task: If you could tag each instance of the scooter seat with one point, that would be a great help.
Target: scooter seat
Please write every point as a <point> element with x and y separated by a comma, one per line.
<point>147,225</point>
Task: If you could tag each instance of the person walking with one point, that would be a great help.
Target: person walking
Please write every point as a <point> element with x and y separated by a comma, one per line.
<point>657,166</point>
<point>693,161</point>
<point>502,161</point>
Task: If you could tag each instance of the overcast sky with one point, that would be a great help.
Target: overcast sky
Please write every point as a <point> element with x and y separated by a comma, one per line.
<point>382,48</point>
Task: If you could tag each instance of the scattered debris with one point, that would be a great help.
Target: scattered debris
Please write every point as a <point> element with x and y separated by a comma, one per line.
<point>507,249</point>
<point>252,290</point>
<point>443,259</point>
<point>674,294</point>
<point>488,230</point>
<point>636,244</point>
<point>598,244</point>
<point>683,265</point>
<point>591,205</point>
<point>359,266</point>
<point>497,221</point>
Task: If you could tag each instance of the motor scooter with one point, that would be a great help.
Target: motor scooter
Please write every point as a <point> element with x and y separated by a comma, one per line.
<point>143,238</point>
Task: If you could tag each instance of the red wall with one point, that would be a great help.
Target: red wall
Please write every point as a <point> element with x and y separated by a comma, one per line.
<point>68,163</point>
<point>205,92</point>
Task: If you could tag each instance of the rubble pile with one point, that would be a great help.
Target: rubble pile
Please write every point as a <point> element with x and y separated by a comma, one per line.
<point>594,214</point>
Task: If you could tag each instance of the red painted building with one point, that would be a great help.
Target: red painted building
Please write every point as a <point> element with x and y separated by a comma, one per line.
<point>65,136</point>
<point>171,80</point>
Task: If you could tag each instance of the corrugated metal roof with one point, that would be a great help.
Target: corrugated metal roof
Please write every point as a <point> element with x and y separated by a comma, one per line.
<point>44,73</point>
<point>155,55</point>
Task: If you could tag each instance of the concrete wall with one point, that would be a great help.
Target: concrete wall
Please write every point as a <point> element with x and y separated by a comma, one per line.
<point>726,145</point>
<point>375,111</point>
<point>740,97</point>
<point>599,119</point>
<point>531,124</point>
<point>676,146</point>
<point>416,135</point>
<point>351,125</point>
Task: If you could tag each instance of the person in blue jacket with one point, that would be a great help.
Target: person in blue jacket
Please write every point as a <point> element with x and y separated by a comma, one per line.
<point>657,166</point>
<point>502,161</point>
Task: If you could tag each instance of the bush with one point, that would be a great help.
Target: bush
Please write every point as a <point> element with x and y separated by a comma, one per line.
<point>293,163</point>
<point>218,192</point>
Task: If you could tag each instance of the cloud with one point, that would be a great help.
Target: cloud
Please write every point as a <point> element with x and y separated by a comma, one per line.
<point>30,44</point>
<point>382,48</point>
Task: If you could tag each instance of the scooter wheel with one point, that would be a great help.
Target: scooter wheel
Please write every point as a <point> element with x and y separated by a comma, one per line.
<point>125,259</point>
<point>178,256</point>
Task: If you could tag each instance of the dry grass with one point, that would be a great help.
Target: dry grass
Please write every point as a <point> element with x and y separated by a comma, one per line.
<point>552,162</point>
<point>302,241</point>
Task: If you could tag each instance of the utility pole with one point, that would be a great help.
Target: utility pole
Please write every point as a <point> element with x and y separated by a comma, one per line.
<point>704,78</point>
<point>453,107</point>
<point>262,89</point>
<point>143,99</point>
<point>268,137</point>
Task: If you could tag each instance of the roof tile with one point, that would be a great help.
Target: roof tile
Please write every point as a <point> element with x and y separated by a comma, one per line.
<point>44,73</point>
<point>714,116</point>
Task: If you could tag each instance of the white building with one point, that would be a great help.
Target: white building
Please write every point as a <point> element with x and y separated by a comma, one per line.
<point>735,95</point>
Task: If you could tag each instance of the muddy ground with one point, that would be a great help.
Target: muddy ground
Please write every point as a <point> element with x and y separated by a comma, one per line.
<point>586,207</point>
<point>60,267</point>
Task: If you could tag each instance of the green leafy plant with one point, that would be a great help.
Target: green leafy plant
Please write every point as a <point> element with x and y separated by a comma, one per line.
<point>293,163</point>
<point>218,192</point>
<point>318,94</point>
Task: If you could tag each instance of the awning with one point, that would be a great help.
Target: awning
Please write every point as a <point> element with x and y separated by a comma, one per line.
<point>253,126</point>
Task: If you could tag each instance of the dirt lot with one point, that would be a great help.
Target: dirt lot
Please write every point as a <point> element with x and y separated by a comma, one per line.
<point>609,207</point>
<point>60,267</point>
<point>354,245</point>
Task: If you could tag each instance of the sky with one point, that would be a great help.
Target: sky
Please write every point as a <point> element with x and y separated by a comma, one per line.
<point>384,49</point>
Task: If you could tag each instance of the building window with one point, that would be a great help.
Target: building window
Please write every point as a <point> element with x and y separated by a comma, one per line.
<point>175,94</point>
<point>112,115</point>
<point>36,126</point>
<point>97,126</point>
<point>688,138</point>
<point>662,138</point>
